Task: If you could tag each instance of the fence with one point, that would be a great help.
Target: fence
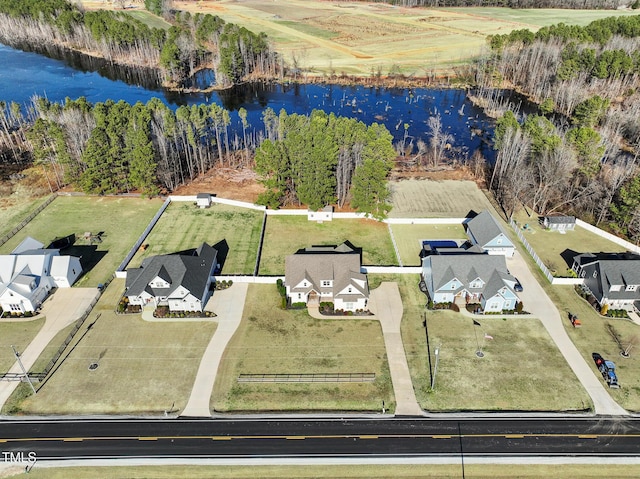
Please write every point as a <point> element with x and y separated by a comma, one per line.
<point>143,236</point>
<point>531,251</point>
<point>609,236</point>
<point>25,221</point>
<point>308,378</point>
<point>425,221</point>
<point>395,246</point>
<point>241,278</point>
<point>259,254</point>
<point>391,269</point>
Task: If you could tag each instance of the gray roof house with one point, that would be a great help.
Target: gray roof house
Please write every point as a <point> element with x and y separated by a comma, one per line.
<point>472,278</point>
<point>327,274</point>
<point>484,231</point>
<point>559,223</point>
<point>180,281</point>
<point>612,278</point>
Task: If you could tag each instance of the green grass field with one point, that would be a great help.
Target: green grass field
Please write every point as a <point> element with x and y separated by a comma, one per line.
<point>11,216</point>
<point>121,220</point>
<point>472,471</point>
<point>18,334</point>
<point>272,340</point>
<point>555,249</point>
<point>149,19</point>
<point>234,231</point>
<point>285,235</point>
<point>409,239</point>
<point>512,376</point>
<point>436,199</point>
<point>144,367</point>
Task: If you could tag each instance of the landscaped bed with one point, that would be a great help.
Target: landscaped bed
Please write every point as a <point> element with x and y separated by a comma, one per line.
<point>234,231</point>
<point>271,340</point>
<point>285,235</point>
<point>120,220</point>
<point>514,374</point>
<point>143,367</point>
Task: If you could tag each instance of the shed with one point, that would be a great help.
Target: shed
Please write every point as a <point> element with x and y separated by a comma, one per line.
<point>559,223</point>
<point>203,200</point>
<point>325,214</point>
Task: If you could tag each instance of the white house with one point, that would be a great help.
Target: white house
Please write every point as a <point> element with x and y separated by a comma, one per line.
<point>559,223</point>
<point>325,214</point>
<point>327,274</point>
<point>472,278</point>
<point>484,231</point>
<point>180,281</point>
<point>203,200</point>
<point>30,272</point>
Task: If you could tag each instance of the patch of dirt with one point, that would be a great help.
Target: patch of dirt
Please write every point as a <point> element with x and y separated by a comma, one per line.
<point>240,184</point>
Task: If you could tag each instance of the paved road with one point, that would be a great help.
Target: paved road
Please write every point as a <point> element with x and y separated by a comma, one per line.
<point>285,438</point>
<point>537,302</point>
<point>60,309</point>
<point>228,305</point>
<point>386,303</point>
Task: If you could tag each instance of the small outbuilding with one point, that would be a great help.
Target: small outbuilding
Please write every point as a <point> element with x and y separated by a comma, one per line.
<point>203,200</point>
<point>325,214</point>
<point>559,223</point>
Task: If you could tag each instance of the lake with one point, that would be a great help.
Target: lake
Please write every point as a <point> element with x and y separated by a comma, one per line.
<point>26,74</point>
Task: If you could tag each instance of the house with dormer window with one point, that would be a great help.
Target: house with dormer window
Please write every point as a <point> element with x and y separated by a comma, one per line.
<point>472,278</point>
<point>612,278</point>
<point>180,281</point>
<point>327,274</point>
<point>30,272</point>
<point>485,232</point>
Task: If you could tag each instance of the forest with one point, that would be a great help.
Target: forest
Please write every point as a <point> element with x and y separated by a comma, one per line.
<point>579,153</point>
<point>115,147</point>
<point>192,43</point>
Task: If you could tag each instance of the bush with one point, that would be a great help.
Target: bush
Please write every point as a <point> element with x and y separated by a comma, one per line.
<point>281,288</point>
<point>519,307</point>
<point>604,309</point>
<point>300,305</point>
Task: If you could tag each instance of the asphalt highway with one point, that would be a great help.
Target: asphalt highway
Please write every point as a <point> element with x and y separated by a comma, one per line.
<point>388,437</point>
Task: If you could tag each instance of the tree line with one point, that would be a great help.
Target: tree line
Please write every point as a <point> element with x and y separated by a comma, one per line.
<point>579,152</point>
<point>321,159</point>
<point>572,4</point>
<point>192,42</point>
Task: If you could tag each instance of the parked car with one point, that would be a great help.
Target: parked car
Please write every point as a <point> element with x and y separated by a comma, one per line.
<point>607,369</point>
<point>518,287</point>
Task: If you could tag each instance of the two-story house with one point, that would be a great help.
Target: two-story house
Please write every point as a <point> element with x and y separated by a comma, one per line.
<point>180,281</point>
<point>472,278</point>
<point>327,274</point>
<point>612,278</point>
<point>484,231</point>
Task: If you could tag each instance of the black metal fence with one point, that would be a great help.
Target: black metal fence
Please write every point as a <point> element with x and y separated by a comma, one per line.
<point>25,221</point>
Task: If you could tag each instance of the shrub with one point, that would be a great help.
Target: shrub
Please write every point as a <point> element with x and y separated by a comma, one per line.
<point>299,305</point>
<point>281,288</point>
<point>604,309</point>
<point>519,307</point>
<point>283,303</point>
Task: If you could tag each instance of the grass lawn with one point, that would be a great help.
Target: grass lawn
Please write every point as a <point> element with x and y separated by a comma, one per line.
<point>409,239</point>
<point>121,220</point>
<point>555,249</point>
<point>272,340</point>
<point>234,231</point>
<point>13,212</point>
<point>436,199</point>
<point>18,334</point>
<point>562,471</point>
<point>149,19</point>
<point>285,235</point>
<point>594,337</point>
<point>512,376</point>
<point>144,367</point>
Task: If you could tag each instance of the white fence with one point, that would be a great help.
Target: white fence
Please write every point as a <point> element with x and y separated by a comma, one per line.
<point>567,281</point>
<point>609,236</point>
<point>425,221</point>
<point>250,279</point>
<point>391,269</point>
<point>222,201</point>
<point>531,251</point>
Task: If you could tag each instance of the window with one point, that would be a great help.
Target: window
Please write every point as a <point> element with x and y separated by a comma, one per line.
<point>499,241</point>
<point>453,285</point>
<point>299,295</point>
<point>631,287</point>
<point>15,307</point>
<point>595,274</point>
<point>326,283</point>
<point>349,290</point>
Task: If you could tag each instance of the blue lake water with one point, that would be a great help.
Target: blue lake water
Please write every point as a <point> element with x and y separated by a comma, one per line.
<point>25,74</point>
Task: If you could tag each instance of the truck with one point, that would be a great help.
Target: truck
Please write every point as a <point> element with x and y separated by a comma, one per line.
<point>607,369</point>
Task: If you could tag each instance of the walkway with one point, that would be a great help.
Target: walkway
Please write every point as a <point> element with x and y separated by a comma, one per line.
<point>537,302</point>
<point>385,302</point>
<point>60,310</point>
<point>228,304</point>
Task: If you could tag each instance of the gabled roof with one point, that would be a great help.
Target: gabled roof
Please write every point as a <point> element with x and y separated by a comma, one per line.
<point>492,269</point>
<point>189,271</point>
<point>27,244</point>
<point>484,228</point>
<point>560,219</point>
<point>340,264</point>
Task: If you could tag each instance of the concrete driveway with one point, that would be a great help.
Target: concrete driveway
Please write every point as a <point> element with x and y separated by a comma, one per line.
<point>386,303</point>
<point>537,302</point>
<point>60,310</point>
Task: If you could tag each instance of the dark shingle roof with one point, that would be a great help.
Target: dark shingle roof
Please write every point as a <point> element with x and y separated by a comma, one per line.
<point>190,271</point>
<point>561,219</point>
<point>484,228</point>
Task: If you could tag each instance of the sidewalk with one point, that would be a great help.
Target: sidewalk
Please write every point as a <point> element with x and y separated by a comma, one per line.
<point>60,309</point>
<point>537,302</point>
<point>228,304</point>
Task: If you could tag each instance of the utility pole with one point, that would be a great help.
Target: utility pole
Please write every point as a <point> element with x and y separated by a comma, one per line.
<point>17,355</point>
<point>426,329</point>
<point>435,368</point>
